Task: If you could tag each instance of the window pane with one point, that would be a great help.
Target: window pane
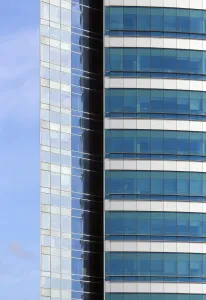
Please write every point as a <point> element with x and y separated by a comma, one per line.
<point>54,13</point>
<point>130,100</point>
<point>116,18</point>
<point>143,18</point>
<point>157,19</point>
<point>116,59</point>
<point>130,18</point>
<point>130,59</point>
<point>143,60</point>
<point>170,19</point>
<point>183,21</point>
<point>196,24</point>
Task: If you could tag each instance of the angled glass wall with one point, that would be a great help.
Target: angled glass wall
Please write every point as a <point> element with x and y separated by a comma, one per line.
<point>71,158</point>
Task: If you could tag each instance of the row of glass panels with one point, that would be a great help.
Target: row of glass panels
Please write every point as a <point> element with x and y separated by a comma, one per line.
<point>155,19</point>
<point>182,225</point>
<point>155,182</point>
<point>189,267</point>
<point>145,101</point>
<point>155,144</point>
<point>140,60</point>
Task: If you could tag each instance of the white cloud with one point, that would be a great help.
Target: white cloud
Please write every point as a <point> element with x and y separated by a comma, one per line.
<point>19,76</point>
<point>17,250</point>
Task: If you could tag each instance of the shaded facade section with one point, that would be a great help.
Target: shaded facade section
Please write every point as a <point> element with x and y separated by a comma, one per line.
<point>72,150</point>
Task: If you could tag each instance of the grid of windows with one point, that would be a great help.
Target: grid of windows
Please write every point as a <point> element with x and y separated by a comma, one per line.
<point>144,266</point>
<point>155,226</point>
<point>146,103</point>
<point>155,62</point>
<point>153,103</point>
<point>153,21</point>
<point>71,83</point>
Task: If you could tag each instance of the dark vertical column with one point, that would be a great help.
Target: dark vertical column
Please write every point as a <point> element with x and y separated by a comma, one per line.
<point>87,149</point>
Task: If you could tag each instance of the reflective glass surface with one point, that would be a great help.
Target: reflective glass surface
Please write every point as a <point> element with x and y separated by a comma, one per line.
<point>155,185</point>
<point>154,21</point>
<point>156,296</point>
<point>155,104</point>
<point>144,266</point>
<point>71,160</point>
<point>155,144</point>
<point>146,103</point>
<point>155,62</point>
<point>155,226</point>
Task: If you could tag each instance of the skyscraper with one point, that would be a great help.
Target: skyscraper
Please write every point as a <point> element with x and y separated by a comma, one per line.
<point>123,149</point>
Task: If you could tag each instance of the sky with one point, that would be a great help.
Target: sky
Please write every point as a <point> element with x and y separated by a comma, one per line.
<point>19,160</point>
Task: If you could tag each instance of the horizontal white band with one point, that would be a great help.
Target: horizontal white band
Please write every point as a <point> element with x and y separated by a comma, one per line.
<point>149,124</point>
<point>154,42</point>
<point>155,287</point>
<point>158,206</point>
<point>192,4</point>
<point>151,83</point>
<point>154,165</point>
<point>143,246</point>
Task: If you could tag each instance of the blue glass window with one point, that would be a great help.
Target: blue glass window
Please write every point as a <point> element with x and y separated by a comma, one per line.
<point>157,101</point>
<point>183,20</point>
<point>183,101</point>
<point>156,183</point>
<point>130,105</point>
<point>168,63</point>
<point>130,18</point>
<point>143,101</point>
<point>168,104</point>
<point>143,18</point>
<point>116,18</point>
<point>170,20</point>
<point>116,59</point>
<point>177,145</point>
<point>117,100</point>
<point>130,59</point>
<point>143,142</point>
<point>155,226</point>
<point>183,266</point>
<point>154,21</point>
<point>196,21</point>
<point>143,60</point>
<point>157,18</point>
<point>183,184</point>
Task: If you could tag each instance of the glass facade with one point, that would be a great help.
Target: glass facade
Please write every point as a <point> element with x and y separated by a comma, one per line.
<point>156,185</point>
<point>71,160</point>
<point>154,190</point>
<point>155,144</point>
<point>155,104</point>
<point>155,226</point>
<point>154,21</point>
<point>155,63</point>
<point>141,266</point>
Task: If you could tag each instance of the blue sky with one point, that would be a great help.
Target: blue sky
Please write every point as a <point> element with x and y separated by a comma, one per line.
<point>19,163</point>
